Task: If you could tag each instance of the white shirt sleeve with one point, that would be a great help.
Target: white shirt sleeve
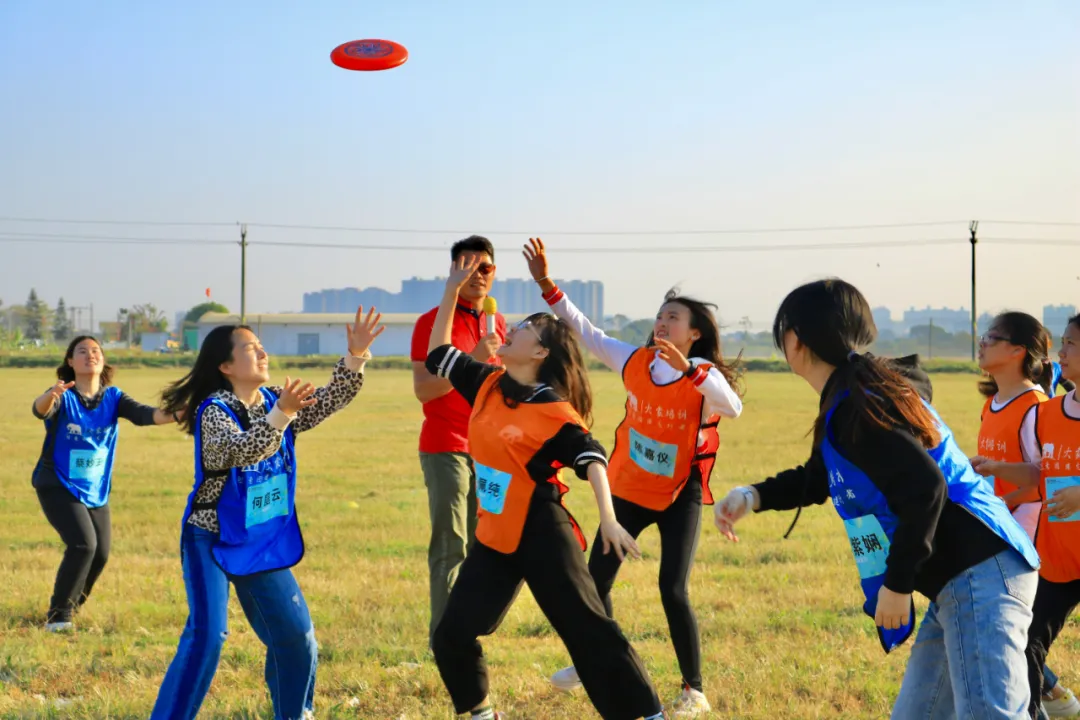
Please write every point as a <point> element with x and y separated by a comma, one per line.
<point>613,353</point>
<point>720,397</point>
<point>1029,442</point>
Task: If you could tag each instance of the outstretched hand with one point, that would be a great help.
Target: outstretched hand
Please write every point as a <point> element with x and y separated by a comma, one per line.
<point>363,332</point>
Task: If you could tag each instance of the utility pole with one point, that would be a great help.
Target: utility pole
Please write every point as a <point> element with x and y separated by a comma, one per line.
<point>243,274</point>
<point>973,228</point>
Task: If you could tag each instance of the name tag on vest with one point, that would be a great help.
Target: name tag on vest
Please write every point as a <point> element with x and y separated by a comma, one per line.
<point>491,487</point>
<point>267,500</point>
<point>869,545</point>
<point>88,464</point>
<point>652,456</point>
<point>1053,484</point>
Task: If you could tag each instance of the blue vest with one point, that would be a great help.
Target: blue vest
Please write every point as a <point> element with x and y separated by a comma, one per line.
<point>1056,379</point>
<point>85,446</point>
<point>870,524</point>
<point>257,509</point>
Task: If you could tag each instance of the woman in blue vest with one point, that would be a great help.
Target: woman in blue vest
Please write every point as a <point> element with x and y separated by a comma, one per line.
<point>240,525</point>
<point>918,518</point>
<point>73,476</point>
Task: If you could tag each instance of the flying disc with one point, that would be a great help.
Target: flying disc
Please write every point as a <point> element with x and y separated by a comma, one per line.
<point>369,55</point>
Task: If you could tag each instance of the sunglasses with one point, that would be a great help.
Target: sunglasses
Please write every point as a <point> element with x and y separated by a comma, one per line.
<point>485,268</point>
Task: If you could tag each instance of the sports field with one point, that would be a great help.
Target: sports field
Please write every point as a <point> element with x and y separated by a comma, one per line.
<point>782,631</point>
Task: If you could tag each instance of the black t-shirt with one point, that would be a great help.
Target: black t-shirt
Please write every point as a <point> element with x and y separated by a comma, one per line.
<point>935,539</point>
<point>45,471</point>
<point>572,446</point>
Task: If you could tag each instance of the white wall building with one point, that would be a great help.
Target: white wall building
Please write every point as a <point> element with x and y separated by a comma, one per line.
<point>321,333</point>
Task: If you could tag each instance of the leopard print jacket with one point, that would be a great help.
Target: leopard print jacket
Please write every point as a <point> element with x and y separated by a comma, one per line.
<point>225,445</point>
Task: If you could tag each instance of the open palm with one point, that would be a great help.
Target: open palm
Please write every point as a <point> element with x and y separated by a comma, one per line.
<point>363,333</point>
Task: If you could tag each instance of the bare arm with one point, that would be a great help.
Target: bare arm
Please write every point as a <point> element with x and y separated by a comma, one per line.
<point>1022,475</point>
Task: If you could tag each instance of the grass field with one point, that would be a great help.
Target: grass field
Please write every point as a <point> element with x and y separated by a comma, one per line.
<point>781,627</point>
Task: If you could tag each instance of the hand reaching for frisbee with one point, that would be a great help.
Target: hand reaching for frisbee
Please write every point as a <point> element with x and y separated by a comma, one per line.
<point>363,333</point>
<point>461,270</point>
<point>536,257</point>
<point>671,355</point>
<point>295,396</point>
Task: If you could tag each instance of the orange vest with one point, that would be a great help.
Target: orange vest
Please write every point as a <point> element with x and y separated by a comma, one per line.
<point>1058,539</point>
<point>502,441</point>
<point>657,444</point>
<point>999,434</point>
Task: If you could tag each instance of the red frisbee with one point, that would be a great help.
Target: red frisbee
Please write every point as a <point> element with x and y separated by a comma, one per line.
<point>369,55</point>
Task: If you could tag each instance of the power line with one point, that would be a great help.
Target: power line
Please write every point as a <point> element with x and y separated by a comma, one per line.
<point>1035,223</point>
<point>534,232</point>
<point>428,231</point>
<point>653,249</point>
<point>105,240</point>
<point>158,223</point>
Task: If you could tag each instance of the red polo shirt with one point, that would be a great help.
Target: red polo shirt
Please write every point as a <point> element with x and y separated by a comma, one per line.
<point>446,419</point>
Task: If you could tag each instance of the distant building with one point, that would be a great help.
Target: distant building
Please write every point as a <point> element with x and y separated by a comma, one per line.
<point>515,297</point>
<point>321,333</point>
<point>949,320</point>
<point>1056,317</point>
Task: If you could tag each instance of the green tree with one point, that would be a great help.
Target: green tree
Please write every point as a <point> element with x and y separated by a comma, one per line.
<point>37,317</point>
<point>201,309</point>
<point>61,327</point>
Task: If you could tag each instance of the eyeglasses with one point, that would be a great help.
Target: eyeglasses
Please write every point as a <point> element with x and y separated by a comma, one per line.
<point>532,328</point>
<point>990,339</point>
<point>485,268</point>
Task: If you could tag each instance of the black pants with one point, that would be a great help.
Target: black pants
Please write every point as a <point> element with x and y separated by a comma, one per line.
<point>1054,603</point>
<point>680,528</point>
<point>86,533</point>
<point>550,561</point>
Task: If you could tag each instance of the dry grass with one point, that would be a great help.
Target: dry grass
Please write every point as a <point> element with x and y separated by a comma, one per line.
<point>782,632</point>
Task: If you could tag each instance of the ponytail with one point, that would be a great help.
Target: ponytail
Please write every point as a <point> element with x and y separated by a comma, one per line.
<point>881,398</point>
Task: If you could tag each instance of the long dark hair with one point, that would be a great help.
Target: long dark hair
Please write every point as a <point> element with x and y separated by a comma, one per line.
<point>563,370</point>
<point>833,319</point>
<point>1024,331</point>
<point>66,373</point>
<point>708,345</point>
<point>205,378</point>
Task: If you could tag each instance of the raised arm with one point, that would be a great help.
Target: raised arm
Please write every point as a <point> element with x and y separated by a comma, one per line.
<point>45,404</point>
<point>610,351</point>
<point>348,375</point>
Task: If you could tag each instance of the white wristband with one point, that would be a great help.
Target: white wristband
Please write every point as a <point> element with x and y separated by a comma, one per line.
<point>748,498</point>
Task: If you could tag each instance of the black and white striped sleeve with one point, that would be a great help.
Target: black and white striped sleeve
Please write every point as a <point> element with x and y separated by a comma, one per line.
<point>574,447</point>
<point>464,373</point>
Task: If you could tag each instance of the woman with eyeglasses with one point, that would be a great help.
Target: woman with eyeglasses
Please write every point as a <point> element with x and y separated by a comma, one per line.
<point>916,515</point>
<point>1054,476</point>
<point>678,387</point>
<point>530,418</point>
<point>1019,376</point>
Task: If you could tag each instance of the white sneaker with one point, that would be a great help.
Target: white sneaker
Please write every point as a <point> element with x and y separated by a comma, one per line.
<point>1065,706</point>
<point>59,627</point>
<point>690,704</point>
<point>566,679</point>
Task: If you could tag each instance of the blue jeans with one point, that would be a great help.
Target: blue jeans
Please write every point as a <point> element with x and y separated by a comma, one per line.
<point>968,660</point>
<point>275,607</point>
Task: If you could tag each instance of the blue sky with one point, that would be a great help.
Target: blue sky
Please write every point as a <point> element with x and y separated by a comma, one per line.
<point>552,116</point>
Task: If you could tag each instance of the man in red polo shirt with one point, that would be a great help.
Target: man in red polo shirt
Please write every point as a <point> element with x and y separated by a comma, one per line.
<point>449,473</point>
